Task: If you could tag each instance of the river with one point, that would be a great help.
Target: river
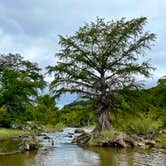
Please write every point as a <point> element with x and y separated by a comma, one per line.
<point>63,153</point>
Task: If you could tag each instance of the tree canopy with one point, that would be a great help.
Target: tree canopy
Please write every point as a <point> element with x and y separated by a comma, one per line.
<point>101,58</point>
<point>20,81</point>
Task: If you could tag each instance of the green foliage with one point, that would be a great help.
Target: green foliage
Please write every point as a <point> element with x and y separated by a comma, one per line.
<point>142,124</point>
<point>4,119</point>
<point>44,111</point>
<point>102,55</point>
<point>10,146</point>
<point>79,113</point>
<point>94,140</point>
<point>137,123</point>
<point>106,134</point>
<point>140,111</point>
<point>162,81</point>
<point>100,59</point>
<point>20,81</point>
<point>161,139</point>
<point>134,111</point>
<point>103,135</point>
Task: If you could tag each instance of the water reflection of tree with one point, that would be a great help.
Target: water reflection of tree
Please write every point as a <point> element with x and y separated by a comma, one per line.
<point>18,159</point>
<point>129,157</point>
<point>114,156</point>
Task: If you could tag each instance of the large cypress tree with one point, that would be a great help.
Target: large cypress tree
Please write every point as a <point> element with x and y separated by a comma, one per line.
<point>100,59</point>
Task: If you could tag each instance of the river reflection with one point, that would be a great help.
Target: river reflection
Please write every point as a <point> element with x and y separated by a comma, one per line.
<point>66,154</point>
<point>130,157</point>
<point>18,159</point>
<point>72,155</point>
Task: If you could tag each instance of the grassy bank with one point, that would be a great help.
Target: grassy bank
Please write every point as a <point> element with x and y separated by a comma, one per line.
<point>8,133</point>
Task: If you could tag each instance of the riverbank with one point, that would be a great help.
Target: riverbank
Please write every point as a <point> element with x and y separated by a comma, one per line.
<point>14,140</point>
<point>23,137</point>
<point>13,133</point>
<point>122,140</point>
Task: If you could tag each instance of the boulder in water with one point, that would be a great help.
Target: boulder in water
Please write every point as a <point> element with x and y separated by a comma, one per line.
<point>82,139</point>
<point>30,144</point>
<point>46,137</point>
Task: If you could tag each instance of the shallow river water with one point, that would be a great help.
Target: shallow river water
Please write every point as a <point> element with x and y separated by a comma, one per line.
<point>65,154</point>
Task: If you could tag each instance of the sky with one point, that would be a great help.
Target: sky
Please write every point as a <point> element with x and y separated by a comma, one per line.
<point>31,27</point>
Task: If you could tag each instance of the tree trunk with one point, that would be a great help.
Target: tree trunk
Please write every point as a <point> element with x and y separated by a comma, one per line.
<point>103,103</point>
<point>104,122</point>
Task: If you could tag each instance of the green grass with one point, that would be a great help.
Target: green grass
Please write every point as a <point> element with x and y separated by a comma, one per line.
<point>9,146</point>
<point>137,124</point>
<point>104,135</point>
<point>109,134</point>
<point>161,140</point>
<point>8,133</point>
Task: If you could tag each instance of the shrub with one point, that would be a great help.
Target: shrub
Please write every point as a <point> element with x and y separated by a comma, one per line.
<point>96,139</point>
<point>5,119</point>
<point>161,139</point>
<point>138,123</point>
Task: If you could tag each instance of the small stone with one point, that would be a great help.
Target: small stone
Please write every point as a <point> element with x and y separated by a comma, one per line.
<point>162,131</point>
<point>46,137</point>
<point>150,143</point>
<point>79,131</point>
<point>30,144</point>
<point>141,144</point>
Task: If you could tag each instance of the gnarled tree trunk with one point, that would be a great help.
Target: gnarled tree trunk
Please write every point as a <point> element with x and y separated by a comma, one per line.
<point>104,120</point>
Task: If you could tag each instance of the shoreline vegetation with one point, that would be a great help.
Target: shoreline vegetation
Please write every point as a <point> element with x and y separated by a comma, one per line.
<point>137,120</point>
<point>23,137</point>
<point>119,139</point>
<point>13,140</point>
<point>12,133</point>
<point>31,130</point>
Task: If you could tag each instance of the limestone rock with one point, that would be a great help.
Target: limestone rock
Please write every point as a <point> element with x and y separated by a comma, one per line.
<point>30,144</point>
<point>79,131</point>
<point>150,143</point>
<point>82,139</point>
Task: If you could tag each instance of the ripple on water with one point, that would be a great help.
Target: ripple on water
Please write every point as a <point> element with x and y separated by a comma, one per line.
<point>68,155</point>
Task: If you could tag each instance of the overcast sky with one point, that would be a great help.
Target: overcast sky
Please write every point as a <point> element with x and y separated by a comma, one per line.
<point>31,27</point>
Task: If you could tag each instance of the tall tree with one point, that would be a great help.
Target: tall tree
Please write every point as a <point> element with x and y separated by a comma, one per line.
<point>20,81</point>
<point>101,58</point>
